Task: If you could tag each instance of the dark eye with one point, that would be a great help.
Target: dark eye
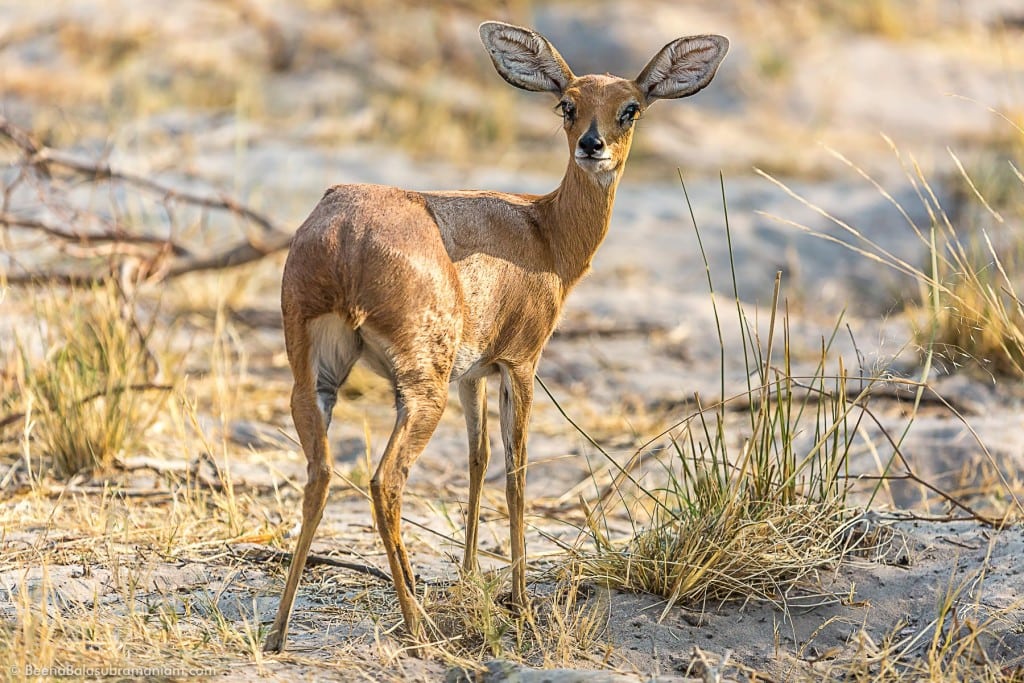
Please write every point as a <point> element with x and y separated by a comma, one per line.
<point>568,110</point>
<point>630,114</point>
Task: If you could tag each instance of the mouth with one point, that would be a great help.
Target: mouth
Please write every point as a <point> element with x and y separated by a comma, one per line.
<point>594,163</point>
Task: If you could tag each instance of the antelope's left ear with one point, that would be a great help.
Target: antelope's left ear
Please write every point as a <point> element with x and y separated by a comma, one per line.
<point>682,67</point>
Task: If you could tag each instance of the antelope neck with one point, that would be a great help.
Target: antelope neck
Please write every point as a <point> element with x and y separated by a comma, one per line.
<point>575,219</point>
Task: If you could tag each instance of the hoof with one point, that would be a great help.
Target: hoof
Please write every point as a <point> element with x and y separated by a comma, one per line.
<point>516,606</point>
<point>274,643</point>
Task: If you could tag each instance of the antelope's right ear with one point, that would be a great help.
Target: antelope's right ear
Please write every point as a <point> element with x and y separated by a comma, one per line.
<point>525,58</point>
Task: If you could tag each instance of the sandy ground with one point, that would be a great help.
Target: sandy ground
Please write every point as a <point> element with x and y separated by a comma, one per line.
<point>638,341</point>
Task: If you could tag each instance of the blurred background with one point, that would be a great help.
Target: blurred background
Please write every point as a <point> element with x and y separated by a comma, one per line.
<point>175,83</point>
<point>272,101</point>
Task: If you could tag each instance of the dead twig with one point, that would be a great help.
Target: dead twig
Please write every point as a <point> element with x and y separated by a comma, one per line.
<point>115,492</point>
<point>28,144</point>
<point>262,553</point>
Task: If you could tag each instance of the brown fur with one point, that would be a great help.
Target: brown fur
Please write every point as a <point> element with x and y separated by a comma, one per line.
<point>437,287</point>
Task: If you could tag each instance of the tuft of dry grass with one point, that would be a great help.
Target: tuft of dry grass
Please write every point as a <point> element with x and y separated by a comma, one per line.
<point>876,17</point>
<point>977,322</point>
<point>89,400</point>
<point>970,310</point>
<point>973,311</point>
<point>473,622</point>
<point>746,521</point>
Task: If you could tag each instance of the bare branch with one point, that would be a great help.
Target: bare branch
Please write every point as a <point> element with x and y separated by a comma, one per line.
<point>104,171</point>
<point>238,255</point>
<point>261,553</point>
<point>170,261</point>
<point>119,236</point>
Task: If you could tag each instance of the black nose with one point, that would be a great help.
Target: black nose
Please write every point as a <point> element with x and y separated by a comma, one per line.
<point>591,143</point>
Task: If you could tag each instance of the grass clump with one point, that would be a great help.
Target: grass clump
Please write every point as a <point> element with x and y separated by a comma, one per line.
<point>749,517</point>
<point>974,313</point>
<point>472,621</point>
<point>977,319</point>
<point>87,398</point>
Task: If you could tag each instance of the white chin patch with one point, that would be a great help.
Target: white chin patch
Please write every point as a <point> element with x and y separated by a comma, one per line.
<point>595,165</point>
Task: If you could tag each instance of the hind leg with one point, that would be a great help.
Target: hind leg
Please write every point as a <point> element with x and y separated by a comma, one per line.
<point>416,421</point>
<point>421,391</point>
<point>321,353</point>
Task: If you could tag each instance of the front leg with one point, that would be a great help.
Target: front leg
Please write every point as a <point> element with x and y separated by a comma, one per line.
<point>515,401</point>
<point>473,395</point>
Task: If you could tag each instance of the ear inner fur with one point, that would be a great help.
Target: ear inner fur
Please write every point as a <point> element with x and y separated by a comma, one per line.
<point>525,58</point>
<point>683,67</point>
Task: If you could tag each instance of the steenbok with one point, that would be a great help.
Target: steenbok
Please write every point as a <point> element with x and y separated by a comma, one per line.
<point>430,288</point>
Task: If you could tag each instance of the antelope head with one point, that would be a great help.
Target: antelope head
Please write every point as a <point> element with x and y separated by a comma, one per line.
<point>599,112</point>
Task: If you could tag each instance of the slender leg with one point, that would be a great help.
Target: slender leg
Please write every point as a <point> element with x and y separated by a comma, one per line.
<point>313,437</point>
<point>420,404</point>
<point>516,399</point>
<point>311,418</point>
<point>473,396</point>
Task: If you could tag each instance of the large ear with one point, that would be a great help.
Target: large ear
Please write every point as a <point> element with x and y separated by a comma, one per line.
<point>525,58</point>
<point>682,67</point>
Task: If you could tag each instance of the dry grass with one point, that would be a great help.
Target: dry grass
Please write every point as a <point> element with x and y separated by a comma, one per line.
<point>473,623</point>
<point>970,310</point>
<point>92,397</point>
<point>87,560</point>
<point>995,487</point>
<point>977,322</point>
<point>747,522</point>
<point>87,564</point>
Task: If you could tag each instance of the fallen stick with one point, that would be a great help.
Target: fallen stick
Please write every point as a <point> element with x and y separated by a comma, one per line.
<point>262,553</point>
